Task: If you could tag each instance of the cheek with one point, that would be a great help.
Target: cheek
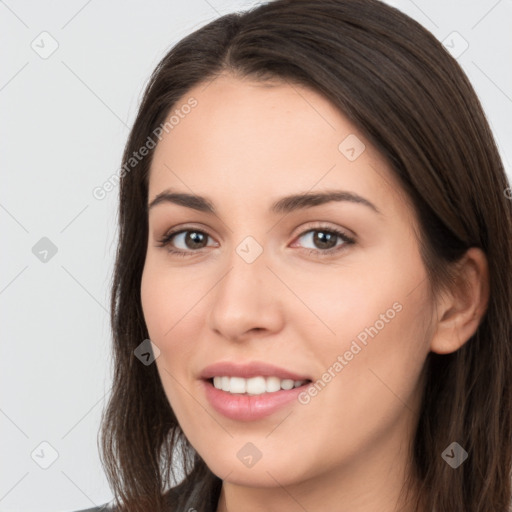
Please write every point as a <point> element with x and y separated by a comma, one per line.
<point>356,302</point>
<point>174,314</point>
<point>157,304</point>
<point>167,297</point>
<point>167,322</point>
<point>379,314</point>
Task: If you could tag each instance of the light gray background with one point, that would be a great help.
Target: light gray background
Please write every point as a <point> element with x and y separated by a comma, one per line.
<point>66,119</point>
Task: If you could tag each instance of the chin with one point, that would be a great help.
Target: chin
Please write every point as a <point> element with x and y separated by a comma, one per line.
<point>271,472</point>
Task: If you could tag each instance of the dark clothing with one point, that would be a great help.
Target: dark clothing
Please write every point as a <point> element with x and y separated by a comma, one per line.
<point>203,496</point>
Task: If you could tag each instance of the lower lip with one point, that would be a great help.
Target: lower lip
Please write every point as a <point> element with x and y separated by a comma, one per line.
<point>249,407</point>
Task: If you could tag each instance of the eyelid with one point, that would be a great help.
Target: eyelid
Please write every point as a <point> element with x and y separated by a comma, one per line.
<point>325,225</point>
<point>186,227</point>
<point>180,229</point>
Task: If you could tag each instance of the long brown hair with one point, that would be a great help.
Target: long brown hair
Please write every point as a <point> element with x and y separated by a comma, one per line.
<point>394,81</point>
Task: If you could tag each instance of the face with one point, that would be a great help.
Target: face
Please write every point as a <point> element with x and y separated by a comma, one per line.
<point>331,292</point>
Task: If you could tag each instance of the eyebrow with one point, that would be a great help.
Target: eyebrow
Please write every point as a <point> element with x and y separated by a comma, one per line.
<point>286,204</point>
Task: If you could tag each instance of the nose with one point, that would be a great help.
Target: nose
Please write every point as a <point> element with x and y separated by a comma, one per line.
<point>247,300</point>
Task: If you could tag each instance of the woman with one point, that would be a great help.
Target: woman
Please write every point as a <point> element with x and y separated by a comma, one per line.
<point>315,237</point>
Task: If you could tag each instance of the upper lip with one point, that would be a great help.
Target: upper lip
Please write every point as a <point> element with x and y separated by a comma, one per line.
<point>248,370</point>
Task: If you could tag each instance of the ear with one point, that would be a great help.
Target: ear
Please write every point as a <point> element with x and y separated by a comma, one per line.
<point>460,310</point>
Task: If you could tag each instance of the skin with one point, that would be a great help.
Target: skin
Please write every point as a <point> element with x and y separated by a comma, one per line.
<point>244,146</point>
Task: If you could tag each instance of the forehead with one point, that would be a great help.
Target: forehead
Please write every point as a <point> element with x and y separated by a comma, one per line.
<point>251,141</point>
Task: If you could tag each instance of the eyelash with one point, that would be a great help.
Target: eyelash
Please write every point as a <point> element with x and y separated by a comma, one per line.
<point>167,238</point>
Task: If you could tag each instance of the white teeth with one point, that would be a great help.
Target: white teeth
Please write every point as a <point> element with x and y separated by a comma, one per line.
<point>287,384</point>
<point>237,385</point>
<point>254,385</point>
<point>225,384</point>
<point>272,384</point>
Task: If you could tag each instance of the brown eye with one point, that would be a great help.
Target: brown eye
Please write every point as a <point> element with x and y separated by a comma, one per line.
<point>194,239</point>
<point>326,240</point>
<point>184,241</point>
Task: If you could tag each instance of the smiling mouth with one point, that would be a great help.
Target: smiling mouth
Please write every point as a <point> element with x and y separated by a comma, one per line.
<point>255,385</point>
